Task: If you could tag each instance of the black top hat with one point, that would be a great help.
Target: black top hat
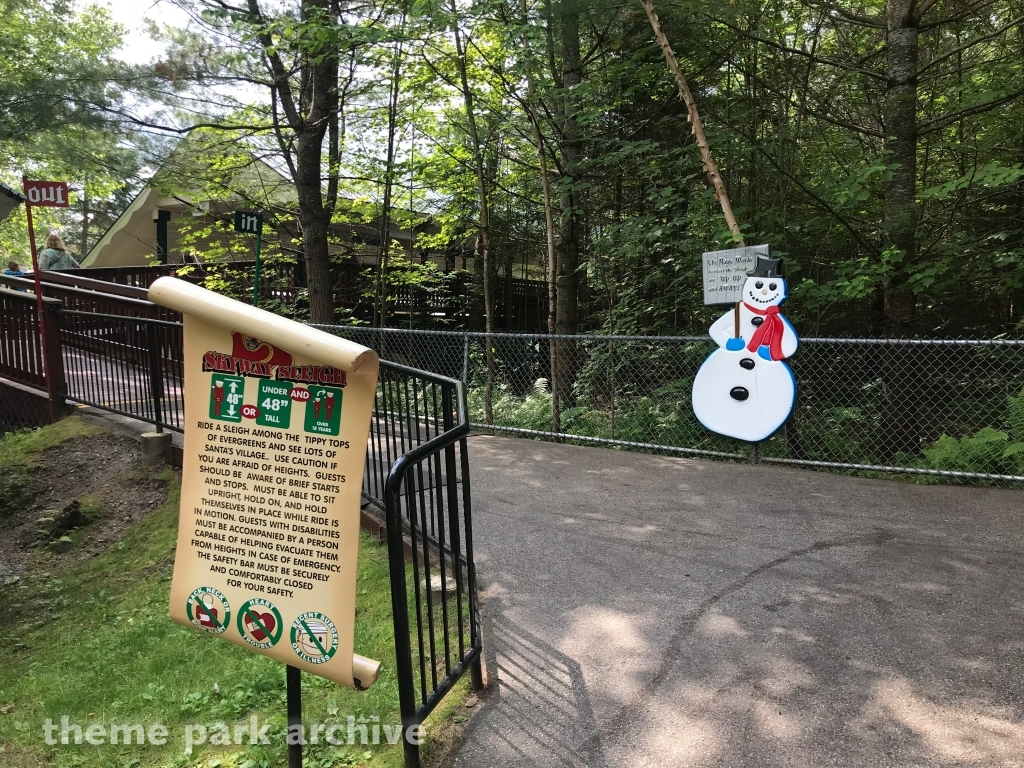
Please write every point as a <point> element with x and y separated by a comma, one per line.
<point>765,267</point>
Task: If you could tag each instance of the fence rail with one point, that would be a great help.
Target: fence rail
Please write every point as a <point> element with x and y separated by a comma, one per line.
<point>938,410</point>
<point>418,475</point>
<point>519,304</point>
<point>21,349</point>
<point>127,365</point>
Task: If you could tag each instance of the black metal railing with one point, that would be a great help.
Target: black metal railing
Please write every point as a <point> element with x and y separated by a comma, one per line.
<point>127,365</point>
<point>417,474</point>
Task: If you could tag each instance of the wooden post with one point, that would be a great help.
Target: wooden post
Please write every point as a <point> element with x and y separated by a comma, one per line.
<point>49,334</point>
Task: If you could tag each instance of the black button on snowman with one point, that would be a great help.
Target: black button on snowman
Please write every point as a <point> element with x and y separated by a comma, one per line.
<point>745,389</point>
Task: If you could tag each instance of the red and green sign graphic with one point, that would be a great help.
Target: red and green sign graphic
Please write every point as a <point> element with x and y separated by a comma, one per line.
<point>226,394</point>
<point>208,609</point>
<point>314,637</point>
<point>259,623</point>
<point>275,404</point>
<point>323,411</point>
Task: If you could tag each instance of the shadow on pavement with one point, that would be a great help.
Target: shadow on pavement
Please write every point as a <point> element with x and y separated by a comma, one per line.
<point>539,712</point>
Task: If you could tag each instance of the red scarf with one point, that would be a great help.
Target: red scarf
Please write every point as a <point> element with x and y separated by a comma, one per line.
<point>769,333</point>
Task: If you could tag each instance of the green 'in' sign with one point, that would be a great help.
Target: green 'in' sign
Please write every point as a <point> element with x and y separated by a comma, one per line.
<point>275,404</point>
<point>323,411</point>
<point>248,221</point>
<point>226,394</point>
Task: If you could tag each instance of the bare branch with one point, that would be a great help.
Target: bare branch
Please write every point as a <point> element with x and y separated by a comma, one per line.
<point>820,201</point>
<point>970,44</point>
<point>807,55</point>
<point>875,22</point>
<point>281,83</point>
<point>922,9</point>
<point>957,17</point>
<point>941,122</point>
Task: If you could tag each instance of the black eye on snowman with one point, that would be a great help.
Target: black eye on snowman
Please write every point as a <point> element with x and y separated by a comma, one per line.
<point>772,286</point>
<point>759,284</point>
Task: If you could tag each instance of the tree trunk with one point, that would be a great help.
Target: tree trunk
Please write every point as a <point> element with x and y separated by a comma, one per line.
<point>900,227</point>
<point>697,128</point>
<point>310,105</point>
<point>549,221</point>
<point>314,228</point>
<point>476,288</point>
<point>482,263</point>
<point>380,307</point>
<point>900,212</point>
<point>568,262</point>
<point>83,246</point>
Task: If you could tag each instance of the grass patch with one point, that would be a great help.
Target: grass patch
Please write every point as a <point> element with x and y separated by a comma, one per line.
<point>92,641</point>
<point>20,452</point>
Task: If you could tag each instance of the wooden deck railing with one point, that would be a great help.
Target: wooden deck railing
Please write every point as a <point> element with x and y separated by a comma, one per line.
<point>24,358</point>
<point>520,305</point>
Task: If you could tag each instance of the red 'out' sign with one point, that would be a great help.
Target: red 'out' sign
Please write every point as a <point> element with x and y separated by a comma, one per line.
<point>48,194</point>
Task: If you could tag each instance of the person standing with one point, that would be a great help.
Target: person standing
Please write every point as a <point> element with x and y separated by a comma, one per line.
<point>56,255</point>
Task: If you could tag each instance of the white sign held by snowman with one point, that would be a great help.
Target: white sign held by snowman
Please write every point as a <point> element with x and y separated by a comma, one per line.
<point>745,389</point>
<point>725,272</point>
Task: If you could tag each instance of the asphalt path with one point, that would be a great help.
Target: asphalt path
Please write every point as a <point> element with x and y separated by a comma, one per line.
<point>650,611</point>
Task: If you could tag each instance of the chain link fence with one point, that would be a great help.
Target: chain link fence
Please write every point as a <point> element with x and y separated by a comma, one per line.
<point>941,410</point>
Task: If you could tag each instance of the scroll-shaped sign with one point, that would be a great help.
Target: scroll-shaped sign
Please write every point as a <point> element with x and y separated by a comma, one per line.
<point>277,416</point>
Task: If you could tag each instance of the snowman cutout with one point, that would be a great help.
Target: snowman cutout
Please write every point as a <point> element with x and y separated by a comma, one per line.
<point>745,389</point>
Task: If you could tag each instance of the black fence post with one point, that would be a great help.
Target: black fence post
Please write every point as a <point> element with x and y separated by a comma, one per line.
<point>476,671</point>
<point>155,383</point>
<point>295,737</point>
<point>400,610</point>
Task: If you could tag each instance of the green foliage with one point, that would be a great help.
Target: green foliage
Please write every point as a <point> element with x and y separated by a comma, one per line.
<point>989,450</point>
<point>12,489</point>
<point>57,68</point>
<point>796,107</point>
<point>59,88</point>
<point>404,275</point>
